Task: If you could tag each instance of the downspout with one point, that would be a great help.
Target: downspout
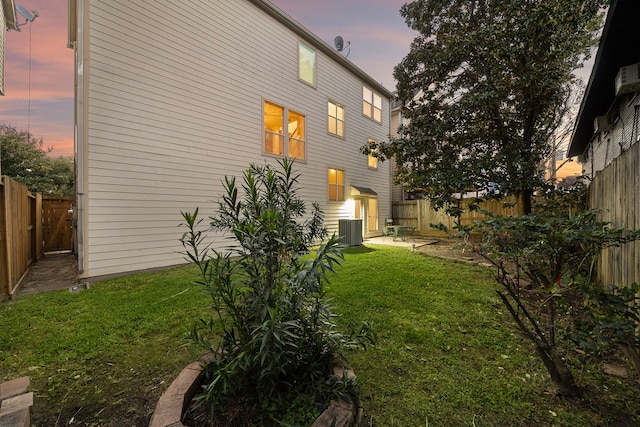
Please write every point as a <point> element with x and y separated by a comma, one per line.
<point>80,136</point>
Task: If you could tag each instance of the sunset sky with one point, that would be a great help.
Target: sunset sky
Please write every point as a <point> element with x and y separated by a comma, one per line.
<point>379,40</point>
<point>378,34</point>
<point>45,41</point>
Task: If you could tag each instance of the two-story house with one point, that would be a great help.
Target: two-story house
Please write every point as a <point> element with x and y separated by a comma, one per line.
<point>171,97</point>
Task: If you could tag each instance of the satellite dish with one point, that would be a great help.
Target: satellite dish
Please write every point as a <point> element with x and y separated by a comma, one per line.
<point>29,16</point>
<point>340,46</point>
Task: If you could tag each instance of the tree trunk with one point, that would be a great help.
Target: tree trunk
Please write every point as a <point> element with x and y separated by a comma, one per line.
<point>526,196</point>
<point>560,373</point>
<point>557,368</point>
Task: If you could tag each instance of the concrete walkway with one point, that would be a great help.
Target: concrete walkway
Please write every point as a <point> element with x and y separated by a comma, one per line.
<point>53,271</point>
<point>409,242</point>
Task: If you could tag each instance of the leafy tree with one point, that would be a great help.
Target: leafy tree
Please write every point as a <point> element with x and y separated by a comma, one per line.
<point>25,159</point>
<point>484,86</point>
<point>278,336</point>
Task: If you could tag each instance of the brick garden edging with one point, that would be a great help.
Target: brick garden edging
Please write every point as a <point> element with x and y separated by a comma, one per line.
<point>15,403</point>
<point>174,402</point>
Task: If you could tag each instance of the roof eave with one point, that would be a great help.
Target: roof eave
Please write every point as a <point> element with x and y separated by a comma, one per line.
<point>10,16</point>
<point>320,44</point>
<point>616,49</point>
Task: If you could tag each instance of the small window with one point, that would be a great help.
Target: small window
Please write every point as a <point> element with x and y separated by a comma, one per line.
<point>371,104</point>
<point>336,184</point>
<point>372,160</point>
<point>336,119</point>
<point>275,140</point>
<point>306,63</point>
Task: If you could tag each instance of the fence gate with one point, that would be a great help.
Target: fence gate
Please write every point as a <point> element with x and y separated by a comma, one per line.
<point>57,230</point>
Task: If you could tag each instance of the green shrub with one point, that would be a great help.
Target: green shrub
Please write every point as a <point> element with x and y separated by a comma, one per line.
<point>545,262</point>
<point>276,331</point>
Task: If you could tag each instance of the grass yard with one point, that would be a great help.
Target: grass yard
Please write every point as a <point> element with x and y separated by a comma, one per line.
<point>103,356</point>
<point>447,355</point>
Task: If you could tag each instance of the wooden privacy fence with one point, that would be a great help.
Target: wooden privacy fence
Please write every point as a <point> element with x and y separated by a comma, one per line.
<point>420,214</point>
<point>616,192</point>
<point>20,232</point>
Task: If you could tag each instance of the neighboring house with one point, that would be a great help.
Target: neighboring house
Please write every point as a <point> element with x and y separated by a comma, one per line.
<point>606,137</point>
<point>608,122</point>
<point>170,98</point>
<point>8,21</point>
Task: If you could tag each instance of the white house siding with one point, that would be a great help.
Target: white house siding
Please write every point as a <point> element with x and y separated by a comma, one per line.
<point>606,146</point>
<point>174,103</point>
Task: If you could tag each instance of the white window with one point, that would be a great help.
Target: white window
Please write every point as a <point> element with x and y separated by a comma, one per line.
<point>335,118</point>
<point>276,141</point>
<point>371,104</point>
<point>336,184</point>
<point>306,63</point>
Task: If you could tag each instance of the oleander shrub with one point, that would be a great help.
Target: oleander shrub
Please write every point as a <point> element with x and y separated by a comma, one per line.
<point>272,332</point>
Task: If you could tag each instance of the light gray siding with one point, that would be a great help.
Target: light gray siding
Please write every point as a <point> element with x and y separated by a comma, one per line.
<point>174,103</point>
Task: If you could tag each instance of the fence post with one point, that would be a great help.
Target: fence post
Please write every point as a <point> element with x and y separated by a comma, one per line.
<point>4,278</point>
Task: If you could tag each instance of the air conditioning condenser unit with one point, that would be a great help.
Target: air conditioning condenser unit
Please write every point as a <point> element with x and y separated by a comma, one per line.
<point>350,231</point>
<point>628,79</point>
<point>602,124</point>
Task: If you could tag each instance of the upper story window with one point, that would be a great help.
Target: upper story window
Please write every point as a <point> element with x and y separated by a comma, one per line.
<point>371,104</point>
<point>276,141</point>
<point>306,63</point>
<point>336,184</point>
<point>336,119</point>
<point>372,160</point>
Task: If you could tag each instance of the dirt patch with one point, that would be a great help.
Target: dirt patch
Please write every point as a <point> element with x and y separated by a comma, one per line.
<point>452,250</point>
<point>53,271</point>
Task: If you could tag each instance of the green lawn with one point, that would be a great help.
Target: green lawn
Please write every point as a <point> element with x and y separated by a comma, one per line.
<point>101,356</point>
<point>447,352</point>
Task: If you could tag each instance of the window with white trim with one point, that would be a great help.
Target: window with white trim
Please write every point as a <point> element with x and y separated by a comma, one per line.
<point>371,104</point>
<point>276,140</point>
<point>335,118</point>
<point>336,184</point>
<point>306,63</point>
